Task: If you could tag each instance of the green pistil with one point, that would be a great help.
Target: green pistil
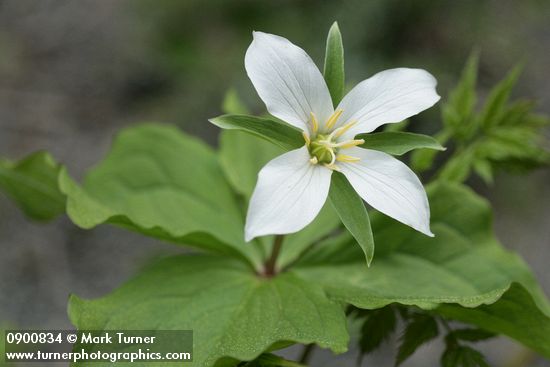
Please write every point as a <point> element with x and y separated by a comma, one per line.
<point>321,149</point>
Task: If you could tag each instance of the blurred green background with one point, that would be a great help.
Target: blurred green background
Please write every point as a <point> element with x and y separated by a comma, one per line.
<point>73,72</point>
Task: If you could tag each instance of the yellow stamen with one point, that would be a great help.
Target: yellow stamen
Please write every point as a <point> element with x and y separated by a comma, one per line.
<point>314,123</point>
<point>333,118</point>
<point>350,143</point>
<point>341,130</point>
<point>314,160</point>
<point>306,138</point>
<point>347,158</point>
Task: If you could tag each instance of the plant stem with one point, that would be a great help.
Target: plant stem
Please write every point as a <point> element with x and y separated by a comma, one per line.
<point>271,263</point>
<point>306,353</point>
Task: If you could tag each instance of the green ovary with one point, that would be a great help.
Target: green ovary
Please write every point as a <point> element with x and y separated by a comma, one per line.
<point>321,149</point>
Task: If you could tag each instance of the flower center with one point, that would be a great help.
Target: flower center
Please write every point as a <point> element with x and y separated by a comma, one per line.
<point>324,147</point>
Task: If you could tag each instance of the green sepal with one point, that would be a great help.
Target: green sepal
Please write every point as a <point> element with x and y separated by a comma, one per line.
<point>398,143</point>
<point>269,128</point>
<point>351,210</point>
<point>334,64</point>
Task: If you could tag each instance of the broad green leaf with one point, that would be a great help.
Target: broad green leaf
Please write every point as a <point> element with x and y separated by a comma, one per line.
<point>496,102</point>
<point>334,64</point>
<point>462,356</point>
<point>517,314</point>
<point>421,329</point>
<point>270,129</point>
<point>242,156</point>
<point>32,184</point>
<point>165,184</point>
<point>398,143</point>
<point>351,210</point>
<point>463,265</point>
<point>325,225</point>
<point>234,313</point>
<point>377,329</point>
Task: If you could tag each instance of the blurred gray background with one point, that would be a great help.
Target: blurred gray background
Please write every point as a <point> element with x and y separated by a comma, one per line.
<point>73,72</point>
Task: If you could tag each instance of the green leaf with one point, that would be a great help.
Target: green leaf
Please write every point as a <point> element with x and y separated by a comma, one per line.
<point>270,129</point>
<point>459,108</point>
<point>517,314</point>
<point>242,156</point>
<point>351,210</point>
<point>271,360</point>
<point>234,313</point>
<point>296,244</point>
<point>162,183</point>
<point>32,184</point>
<point>376,329</point>
<point>421,329</point>
<point>496,102</point>
<point>484,169</point>
<point>470,335</point>
<point>458,168</point>
<point>462,267</point>
<point>462,356</point>
<point>334,64</point>
<point>398,143</point>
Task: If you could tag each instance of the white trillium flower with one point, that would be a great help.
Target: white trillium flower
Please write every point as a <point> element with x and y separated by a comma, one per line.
<point>292,188</point>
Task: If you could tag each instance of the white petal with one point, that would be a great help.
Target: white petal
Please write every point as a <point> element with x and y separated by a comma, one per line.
<point>389,96</point>
<point>289,194</point>
<point>287,80</point>
<point>389,186</point>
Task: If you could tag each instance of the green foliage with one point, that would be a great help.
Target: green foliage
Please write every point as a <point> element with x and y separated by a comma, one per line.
<point>503,135</point>
<point>334,64</point>
<point>421,329</point>
<point>462,356</point>
<point>242,156</point>
<point>470,335</point>
<point>462,273</point>
<point>32,184</point>
<point>164,184</point>
<point>459,109</point>
<point>398,143</point>
<point>520,314</point>
<point>376,329</point>
<point>351,210</point>
<point>268,128</point>
<point>233,312</point>
<point>458,355</point>
<point>324,226</point>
